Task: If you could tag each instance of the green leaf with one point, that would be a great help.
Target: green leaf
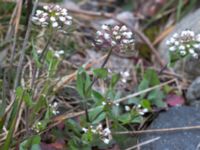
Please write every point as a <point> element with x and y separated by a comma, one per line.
<point>36,57</point>
<point>99,118</point>
<point>100,73</point>
<point>152,77</point>
<point>115,78</point>
<point>27,98</point>
<point>31,143</point>
<point>125,118</point>
<point>142,86</point>
<point>98,97</point>
<point>95,114</point>
<point>156,97</point>
<point>83,83</point>
<point>136,119</point>
<point>146,104</point>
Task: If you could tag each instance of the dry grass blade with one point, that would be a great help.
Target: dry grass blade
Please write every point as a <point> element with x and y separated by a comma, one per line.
<point>163,35</point>
<point>144,91</point>
<point>160,130</point>
<point>143,143</point>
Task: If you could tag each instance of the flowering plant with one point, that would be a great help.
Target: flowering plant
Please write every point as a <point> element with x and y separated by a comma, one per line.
<point>185,43</point>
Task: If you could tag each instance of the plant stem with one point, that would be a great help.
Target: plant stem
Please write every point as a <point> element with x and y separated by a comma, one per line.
<point>95,79</point>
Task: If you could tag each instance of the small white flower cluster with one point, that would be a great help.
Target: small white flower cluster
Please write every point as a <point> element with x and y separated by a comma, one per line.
<point>125,76</point>
<point>109,103</point>
<point>54,107</point>
<point>36,127</point>
<point>115,36</point>
<point>58,53</point>
<point>105,134</point>
<point>138,108</point>
<point>187,42</point>
<point>53,16</point>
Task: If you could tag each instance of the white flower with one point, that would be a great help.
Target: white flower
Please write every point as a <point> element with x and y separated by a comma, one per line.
<point>106,36</point>
<point>123,28</point>
<point>113,43</point>
<point>127,34</point>
<point>183,52</point>
<point>126,74</point>
<point>105,27</point>
<point>145,110</point>
<point>172,40</point>
<point>58,53</point>
<point>99,33</point>
<point>64,11</point>
<point>127,108</point>
<point>176,43</point>
<point>55,104</point>
<point>182,47</point>
<point>103,103</point>
<point>188,46</point>
<point>68,22</point>
<point>195,55</point>
<point>191,51</point>
<point>55,24</point>
<point>168,42</point>
<point>62,18</point>
<point>46,7</point>
<point>94,131</point>
<point>116,27</point>
<point>124,80</point>
<point>198,37</point>
<point>99,41</point>
<point>42,19</point>
<point>38,12</point>
<point>172,48</point>
<point>125,41</point>
<point>175,35</point>
<point>197,46</point>
<point>116,104</point>
<point>106,140</point>
<point>141,113</point>
<point>69,17</point>
<point>106,132</point>
<point>118,37</point>
<point>52,18</point>
<point>84,130</point>
<point>115,33</point>
<point>99,127</point>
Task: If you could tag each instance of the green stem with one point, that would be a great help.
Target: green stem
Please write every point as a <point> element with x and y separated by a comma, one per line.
<point>95,79</point>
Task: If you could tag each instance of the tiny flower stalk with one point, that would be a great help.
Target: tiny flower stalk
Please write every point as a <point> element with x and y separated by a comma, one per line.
<point>54,19</point>
<point>117,38</point>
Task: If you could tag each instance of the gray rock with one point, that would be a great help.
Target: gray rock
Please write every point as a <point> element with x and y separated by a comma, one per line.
<point>193,93</point>
<point>174,140</point>
<point>189,68</point>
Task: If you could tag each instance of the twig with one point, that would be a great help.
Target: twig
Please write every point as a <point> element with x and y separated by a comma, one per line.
<point>144,91</point>
<point>159,130</point>
<point>143,143</point>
